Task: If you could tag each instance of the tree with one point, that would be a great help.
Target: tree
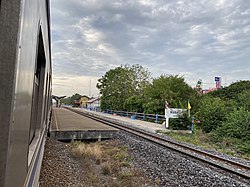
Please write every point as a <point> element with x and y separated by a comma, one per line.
<point>134,103</point>
<point>170,87</point>
<point>140,78</point>
<point>66,101</point>
<point>70,100</point>
<point>120,83</point>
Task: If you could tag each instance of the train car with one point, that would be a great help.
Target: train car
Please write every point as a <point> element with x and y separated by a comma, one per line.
<point>25,89</point>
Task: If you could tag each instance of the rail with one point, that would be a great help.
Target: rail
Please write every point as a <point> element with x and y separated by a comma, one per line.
<point>228,165</point>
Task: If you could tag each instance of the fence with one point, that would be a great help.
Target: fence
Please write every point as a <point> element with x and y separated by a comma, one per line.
<point>134,115</point>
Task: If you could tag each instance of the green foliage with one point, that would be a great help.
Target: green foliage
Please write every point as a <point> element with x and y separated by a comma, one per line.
<point>66,101</point>
<point>134,103</point>
<point>223,115</point>
<point>244,147</point>
<point>154,106</point>
<point>121,83</point>
<point>139,77</point>
<point>70,100</point>
<point>76,96</point>
<point>128,88</point>
<point>211,113</point>
<point>236,125</point>
<point>172,88</point>
<point>243,99</point>
<point>232,91</point>
<point>235,131</point>
<point>115,86</point>
<point>182,123</point>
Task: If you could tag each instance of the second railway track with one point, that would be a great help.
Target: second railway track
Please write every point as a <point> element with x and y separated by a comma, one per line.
<point>228,165</point>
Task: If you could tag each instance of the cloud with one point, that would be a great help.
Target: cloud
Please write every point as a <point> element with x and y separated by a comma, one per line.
<point>198,39</point>
<point>76,84</point>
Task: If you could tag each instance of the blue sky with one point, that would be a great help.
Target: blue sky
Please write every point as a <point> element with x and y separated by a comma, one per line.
<point>195,39</point>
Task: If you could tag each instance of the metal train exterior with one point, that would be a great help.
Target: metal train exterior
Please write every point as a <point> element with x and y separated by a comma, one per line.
<point>25,89</point>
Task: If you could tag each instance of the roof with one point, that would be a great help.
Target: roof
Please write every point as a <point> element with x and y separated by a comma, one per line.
<point>85,96</point>
<point>93,100</point>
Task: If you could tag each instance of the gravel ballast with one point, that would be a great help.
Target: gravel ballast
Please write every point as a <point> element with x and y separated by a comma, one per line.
<point>59,167</point>
<point>162,166</point>
<point>172,168</point>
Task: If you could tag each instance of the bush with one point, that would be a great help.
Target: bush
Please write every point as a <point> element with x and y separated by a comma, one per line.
<point>232,91</point>
<point>211,113</point>
<point>244,99</point>
<point>183,123</point>
<point>236,125</point>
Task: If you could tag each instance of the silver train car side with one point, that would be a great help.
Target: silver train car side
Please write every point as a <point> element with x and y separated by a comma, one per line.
<point>25,89</point>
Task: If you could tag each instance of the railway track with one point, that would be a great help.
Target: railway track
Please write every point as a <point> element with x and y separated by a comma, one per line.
<point>230,166</point>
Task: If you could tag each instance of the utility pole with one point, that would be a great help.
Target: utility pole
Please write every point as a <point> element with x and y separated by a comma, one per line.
<point>90,88</point>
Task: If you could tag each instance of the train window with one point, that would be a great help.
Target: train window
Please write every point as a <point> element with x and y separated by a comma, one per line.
<point>38,88</point>
<point>46,100</point>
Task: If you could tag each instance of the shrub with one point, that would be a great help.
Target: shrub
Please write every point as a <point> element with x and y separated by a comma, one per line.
<point>244,99</point>
<point>211,113</point>
<point>183,123</point>
<point>236,125</point>
<point>232,91</point>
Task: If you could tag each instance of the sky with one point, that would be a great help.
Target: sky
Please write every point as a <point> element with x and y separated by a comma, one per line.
<point>195,39</point>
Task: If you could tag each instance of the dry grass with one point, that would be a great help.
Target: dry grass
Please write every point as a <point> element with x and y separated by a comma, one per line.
<point>87,149</point>
<point>108,163</point>
<point>92,151</point>
<point>106,168</point>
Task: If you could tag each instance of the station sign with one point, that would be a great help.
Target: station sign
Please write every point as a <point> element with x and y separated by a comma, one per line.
<point>173,113</point>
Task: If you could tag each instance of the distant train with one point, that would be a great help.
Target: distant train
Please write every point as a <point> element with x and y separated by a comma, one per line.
<point>25,89</point>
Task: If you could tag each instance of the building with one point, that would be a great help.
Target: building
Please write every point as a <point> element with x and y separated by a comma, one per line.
<point>83,101</point>
<point>208,90</point>
<point>94,103</point>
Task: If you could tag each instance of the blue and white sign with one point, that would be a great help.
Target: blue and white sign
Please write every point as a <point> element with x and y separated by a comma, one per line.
<point>217,79</point>
<point>173,113</point>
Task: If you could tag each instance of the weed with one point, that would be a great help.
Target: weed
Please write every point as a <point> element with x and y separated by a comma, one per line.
<point>88,150</point>
<point>125,175</point>
<point>107,163</point>
<point>120,155</point>
<point>126,163</point>
<point>106,168</point>
<point>227,145</point>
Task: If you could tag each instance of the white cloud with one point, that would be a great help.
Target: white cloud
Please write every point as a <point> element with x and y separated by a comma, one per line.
<point>199,39</point>
<point>77,84</point>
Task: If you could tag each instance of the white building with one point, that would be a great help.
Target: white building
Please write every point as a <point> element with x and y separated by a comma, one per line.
<point>93,104</point>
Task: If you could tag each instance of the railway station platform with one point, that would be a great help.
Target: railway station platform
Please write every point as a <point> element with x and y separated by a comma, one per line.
<point>67,125</point>
<point>144,125</point>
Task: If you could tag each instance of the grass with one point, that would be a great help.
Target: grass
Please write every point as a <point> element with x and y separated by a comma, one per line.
<point>108,163</point>
<point>88,151</point>
<point>106,168</point>
<point>228,146</point>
